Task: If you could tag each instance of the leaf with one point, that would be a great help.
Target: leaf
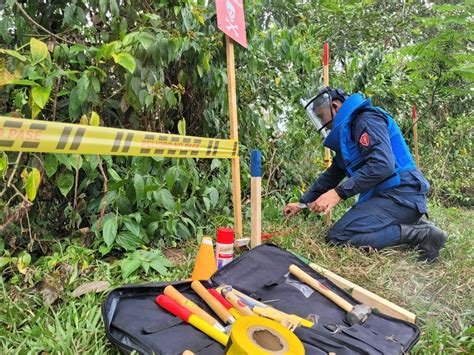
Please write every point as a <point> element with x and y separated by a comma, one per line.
<point>47,291</point>
<point>95,286</point>
<point>24,175</point>
<point>109,232</point>
<point>84,120</point>
<point>24,82</point>
<point>139,186</point>
<point>95,119</point>
<point>3,164</point>
<point>129,266</point>
<point>146,39</point>
<point>50,164</point>
<point>207,203</point>
<point>128,241</point>
<point>68,15</point>
<point>158,266</point>
<point>114,175</point>
<point>172,176</point>
<point>65,182</point>
<point>103,7</point>
<point>170,98</point>
<point>125,60</point>
<point>74,104</point>
<point>35,110</point>
<point>13,54</point>
<point>114,9</point>
<point>38,51</point>
<point>132,226</point>
<point>40,95</point>
<point>182,127</point>
<point>32,184</point>
<point>167,199</point>
<point>23,263</point>
<point>66,160</point>
<point>4,261</point>
<point>82,88</point>
<point>215,164</point>
<point>213,195</point>
<point>5,76</point>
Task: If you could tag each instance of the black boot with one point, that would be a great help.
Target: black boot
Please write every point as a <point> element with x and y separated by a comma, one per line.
<point>424,235</point>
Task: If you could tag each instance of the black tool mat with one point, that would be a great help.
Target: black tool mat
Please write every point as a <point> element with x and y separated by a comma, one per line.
<point>133,321</point>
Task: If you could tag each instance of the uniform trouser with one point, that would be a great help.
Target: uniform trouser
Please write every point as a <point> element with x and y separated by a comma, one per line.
<point>374,223</point>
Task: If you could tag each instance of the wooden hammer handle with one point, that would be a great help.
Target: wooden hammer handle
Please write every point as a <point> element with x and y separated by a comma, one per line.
<point>215,305</point>
<point>174,294</point>
<point>240,306</point>
<point>303,276</point>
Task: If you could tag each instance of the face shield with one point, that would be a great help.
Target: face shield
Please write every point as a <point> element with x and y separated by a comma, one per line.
<point>319,111</point>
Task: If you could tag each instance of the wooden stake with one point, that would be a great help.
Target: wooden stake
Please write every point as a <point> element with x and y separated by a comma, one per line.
<point>327,152</point>
<point>234,134</point>
<point>415,136</point>
<point>256,198</point>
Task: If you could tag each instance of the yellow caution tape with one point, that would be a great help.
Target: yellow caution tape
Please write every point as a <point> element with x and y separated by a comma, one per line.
<point>24,135</point>
<point>252,335</point>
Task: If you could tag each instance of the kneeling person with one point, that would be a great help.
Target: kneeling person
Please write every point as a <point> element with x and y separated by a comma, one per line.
<point>371,152</point>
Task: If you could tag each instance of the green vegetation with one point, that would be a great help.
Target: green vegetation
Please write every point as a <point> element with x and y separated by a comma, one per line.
<point>160,66</point>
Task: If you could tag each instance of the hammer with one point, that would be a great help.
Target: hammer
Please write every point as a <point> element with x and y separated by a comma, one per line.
<point>357,314</point>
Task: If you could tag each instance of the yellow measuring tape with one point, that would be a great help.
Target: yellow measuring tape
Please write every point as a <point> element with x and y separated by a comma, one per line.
<point>252,335</point>
<point>23,135</point>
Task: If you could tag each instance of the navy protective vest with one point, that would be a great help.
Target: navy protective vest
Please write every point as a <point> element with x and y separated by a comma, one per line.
<point>340,140</point>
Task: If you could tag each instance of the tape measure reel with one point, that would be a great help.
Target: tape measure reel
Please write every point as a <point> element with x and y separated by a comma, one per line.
<point>253,335</point>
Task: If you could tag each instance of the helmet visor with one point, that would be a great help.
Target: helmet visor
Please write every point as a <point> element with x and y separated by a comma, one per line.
<point>318,109</point>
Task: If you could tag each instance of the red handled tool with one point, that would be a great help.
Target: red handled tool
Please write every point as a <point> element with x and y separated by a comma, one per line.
<point>189,317</point>
<point>224,302</point>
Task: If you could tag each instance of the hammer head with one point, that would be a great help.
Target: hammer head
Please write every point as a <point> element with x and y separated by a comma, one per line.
<point>359,314</point>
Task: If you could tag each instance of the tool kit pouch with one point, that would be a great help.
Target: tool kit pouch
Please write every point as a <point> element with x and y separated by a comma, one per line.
<point>133,321</point>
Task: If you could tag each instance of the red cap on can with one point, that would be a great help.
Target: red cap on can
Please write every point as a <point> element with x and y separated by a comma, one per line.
<point>225,235</point>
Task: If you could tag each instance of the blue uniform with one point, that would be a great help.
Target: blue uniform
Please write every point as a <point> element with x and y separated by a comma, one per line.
<point>393,191</point>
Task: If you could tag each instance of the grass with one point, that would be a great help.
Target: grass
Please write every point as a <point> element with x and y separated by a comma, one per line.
<point>441,294</point>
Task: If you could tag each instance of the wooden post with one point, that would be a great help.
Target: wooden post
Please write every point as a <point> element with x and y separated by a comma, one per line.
<point>234,134</point>
<point>256,198</point>
<point>415,135</point>
<point>327,152</point>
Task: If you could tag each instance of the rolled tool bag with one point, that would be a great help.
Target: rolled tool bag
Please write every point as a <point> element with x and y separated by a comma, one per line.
<point>133,321</point>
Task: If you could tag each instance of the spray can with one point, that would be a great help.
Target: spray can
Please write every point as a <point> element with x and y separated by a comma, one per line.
<point>224,246</point>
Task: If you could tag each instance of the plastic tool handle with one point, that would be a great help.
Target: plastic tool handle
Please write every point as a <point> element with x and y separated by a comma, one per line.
<point>303,276</point>
<point>225,303</point>
<point>217,307</point>
<point>256,304</point>
<point>219,297</point>
<point>173,307</point>
<point>186,315</point>
<point>173,293</point>
<point>237,303</point>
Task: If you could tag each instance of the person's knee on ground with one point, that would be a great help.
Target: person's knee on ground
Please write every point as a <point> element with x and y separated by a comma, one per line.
<point>424,236</point>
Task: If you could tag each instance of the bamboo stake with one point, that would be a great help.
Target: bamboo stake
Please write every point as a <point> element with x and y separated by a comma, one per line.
<point>234,134</point>
<point>327,152</point>
<point>415,135</point>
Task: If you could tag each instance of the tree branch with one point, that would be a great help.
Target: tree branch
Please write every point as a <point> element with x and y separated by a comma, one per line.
<point>104,206</point>
<point>23,11</point>
<point>15,167</point>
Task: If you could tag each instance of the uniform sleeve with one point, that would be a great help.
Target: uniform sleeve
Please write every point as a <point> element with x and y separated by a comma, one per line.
<point>370,130</point>
<point>326,181</point>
